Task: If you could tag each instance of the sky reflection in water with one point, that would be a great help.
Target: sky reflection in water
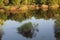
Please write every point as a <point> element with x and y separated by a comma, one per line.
<point>45,27</point>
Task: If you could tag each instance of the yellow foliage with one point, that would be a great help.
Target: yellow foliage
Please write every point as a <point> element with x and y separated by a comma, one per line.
<point>54,6</point>
<point>24,8</point>
<point>1,21</point>
<point>37,7</point>
<point>44,7</point>
<point>2,10</point>
<point>13,8</point>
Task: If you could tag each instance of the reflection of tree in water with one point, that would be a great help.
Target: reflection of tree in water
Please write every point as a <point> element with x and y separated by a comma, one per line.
<point>27,30</point>
<point>57,35</point>
<point>1,33</point>
<point>3,18</point>
<point>1,27</point>
<point>1,21</point>
<point>26,15</point>
<point>45,14</point>
<point>57,28</point>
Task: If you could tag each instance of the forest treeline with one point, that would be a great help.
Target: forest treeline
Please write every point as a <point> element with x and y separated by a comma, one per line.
<point>30,2</point>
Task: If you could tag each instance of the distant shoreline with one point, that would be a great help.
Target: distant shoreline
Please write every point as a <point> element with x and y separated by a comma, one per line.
<point>27,7</point>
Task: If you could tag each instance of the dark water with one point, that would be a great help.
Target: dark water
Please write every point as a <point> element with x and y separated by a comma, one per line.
<point>47,28</point>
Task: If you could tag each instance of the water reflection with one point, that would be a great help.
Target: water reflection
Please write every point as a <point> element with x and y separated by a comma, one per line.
<point>27,29</point>
<point>1,28</point>
<point>0,33</point>
<point>57,28</point>
<point>46,32</point>
<point>45,19</point>
<point>51,13</point>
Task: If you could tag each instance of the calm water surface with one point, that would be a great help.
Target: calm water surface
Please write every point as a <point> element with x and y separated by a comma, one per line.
<point>45,27</point>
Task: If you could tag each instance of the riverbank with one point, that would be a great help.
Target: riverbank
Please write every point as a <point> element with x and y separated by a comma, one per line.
<point>24,8</point>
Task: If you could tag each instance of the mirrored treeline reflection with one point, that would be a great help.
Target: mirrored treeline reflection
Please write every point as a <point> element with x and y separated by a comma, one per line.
<point>51,13</point>
<point>48,25</point>
<point>1,30</point>
<point>57,28</point>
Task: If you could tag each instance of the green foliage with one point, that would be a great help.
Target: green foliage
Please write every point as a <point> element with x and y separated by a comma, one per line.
<point>59,2</point>
<point>7,7</point>
<point>18,2</point>
<point>3,16</point>
<point>1,3</point>
<point>15,2</point>
<point>6,2</point>
<point>51,2</point>
<point>40,2</point>
<point>26,30</point>
<point>26,27</point>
